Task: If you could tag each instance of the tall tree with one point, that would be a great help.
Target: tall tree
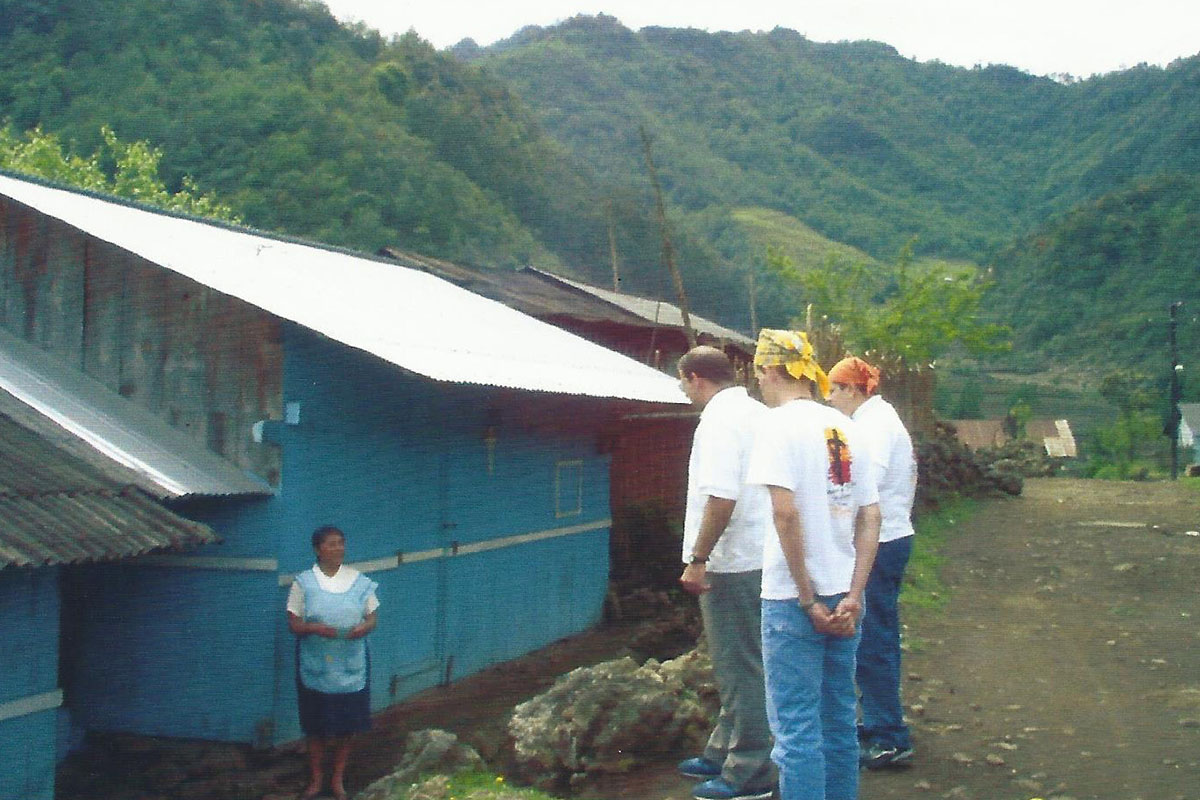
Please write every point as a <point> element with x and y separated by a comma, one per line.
<point>134,171</point>
<point>916,314</point>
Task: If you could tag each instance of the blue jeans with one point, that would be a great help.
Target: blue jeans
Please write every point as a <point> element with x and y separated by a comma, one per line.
<point>878,671</point>
<point>810,704</point>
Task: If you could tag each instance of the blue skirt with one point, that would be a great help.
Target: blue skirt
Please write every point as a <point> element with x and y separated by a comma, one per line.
<point>325,715</point>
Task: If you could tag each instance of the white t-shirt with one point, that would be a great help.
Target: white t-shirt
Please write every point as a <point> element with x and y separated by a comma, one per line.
<point>816,452</point>
<point>340,582</point>
<point>893,463</point>
<point>717,468</point>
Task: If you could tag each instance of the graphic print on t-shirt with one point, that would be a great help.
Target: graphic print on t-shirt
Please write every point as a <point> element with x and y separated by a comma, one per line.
<point>839,457</point>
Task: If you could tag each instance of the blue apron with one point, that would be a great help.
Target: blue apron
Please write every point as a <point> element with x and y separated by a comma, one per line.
<point>334,666</point>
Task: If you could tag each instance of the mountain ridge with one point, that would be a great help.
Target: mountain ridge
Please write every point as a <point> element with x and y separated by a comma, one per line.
<point>529,151</point>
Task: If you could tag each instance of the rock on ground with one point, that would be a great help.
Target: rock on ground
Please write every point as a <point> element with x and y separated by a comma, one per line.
<point>427,752</point>
<point>612,717</point>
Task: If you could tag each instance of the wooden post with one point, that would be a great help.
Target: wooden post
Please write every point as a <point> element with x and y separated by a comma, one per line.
<point>753,292</point>
<point>668,250</point>
<point>612,246</point>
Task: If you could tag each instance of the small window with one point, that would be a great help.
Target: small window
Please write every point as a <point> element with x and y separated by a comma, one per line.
<point>568,488</point>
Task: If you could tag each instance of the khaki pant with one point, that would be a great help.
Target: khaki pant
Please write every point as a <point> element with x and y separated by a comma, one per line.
<point>741,740</point>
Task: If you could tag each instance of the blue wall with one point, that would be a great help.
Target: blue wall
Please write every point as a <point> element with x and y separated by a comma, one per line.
<point>401,464</point>
<point>405,464</point>
<point>29,611</point>
<point>176,652</point>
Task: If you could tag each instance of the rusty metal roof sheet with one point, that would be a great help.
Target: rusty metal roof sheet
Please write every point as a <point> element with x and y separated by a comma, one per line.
<point>977,433</point>
<point>528,291</point>
<point>555,298</point>
<point>113,435</point>
<point>1054,434</point>
<point>57,509</point>
<point>409,318</point>
<point>659,312</point>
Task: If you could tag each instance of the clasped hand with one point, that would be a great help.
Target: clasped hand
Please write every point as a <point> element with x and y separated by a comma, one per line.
<point>330,632</point>
<point>841,621</point>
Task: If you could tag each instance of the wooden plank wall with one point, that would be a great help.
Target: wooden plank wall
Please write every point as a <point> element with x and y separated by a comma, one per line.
<point>208,364</point>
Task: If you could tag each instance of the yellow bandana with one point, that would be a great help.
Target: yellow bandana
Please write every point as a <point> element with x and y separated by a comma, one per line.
<point>791,350</point>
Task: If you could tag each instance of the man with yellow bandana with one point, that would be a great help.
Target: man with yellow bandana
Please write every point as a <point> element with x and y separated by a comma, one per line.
<point>825,510</point>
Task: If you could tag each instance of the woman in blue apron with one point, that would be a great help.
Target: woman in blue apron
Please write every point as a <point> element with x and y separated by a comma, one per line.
<point>331,608</point>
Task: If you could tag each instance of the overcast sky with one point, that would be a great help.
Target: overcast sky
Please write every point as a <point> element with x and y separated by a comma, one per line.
<point>1044,37</point>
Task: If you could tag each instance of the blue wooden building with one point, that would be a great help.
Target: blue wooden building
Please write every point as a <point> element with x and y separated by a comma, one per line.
<point>59,516</point>
<point>262,387</point>
<point>29,695</point>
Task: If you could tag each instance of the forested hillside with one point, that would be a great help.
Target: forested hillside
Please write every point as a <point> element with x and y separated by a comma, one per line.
<point>865,146</point>
<point>1092,287</point>
<point>529,151</point>
<point>870,149</point>
<point>305,126</point>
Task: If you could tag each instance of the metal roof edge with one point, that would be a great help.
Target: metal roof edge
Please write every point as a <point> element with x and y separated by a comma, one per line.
<point>361,310</point>
<point>110,433</point>
<point>234,227</point>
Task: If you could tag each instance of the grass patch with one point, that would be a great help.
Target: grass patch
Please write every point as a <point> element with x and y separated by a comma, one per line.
<point>803,245</point>
<point>471,786</point>
<point>923,587</point>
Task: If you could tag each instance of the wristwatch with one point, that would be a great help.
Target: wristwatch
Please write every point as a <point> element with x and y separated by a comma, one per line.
<point>695,559</point>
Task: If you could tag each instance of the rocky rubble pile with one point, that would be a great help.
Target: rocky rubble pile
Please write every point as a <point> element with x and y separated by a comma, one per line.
<point>611,717</point>
<point>1023,456</point>
<point>947,467</point>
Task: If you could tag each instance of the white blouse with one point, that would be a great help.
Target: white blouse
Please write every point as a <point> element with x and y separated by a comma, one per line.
<point>340,582</point>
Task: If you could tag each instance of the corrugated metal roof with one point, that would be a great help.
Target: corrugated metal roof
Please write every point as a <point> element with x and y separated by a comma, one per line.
<point>110,433</point>
<point>528,291</point>
<point>1191,415</point>
<point>409,318</point>
<point>659,312</point>
<point>56,509</point>
<point>1063,442</point>
<point>977,433</point>
<point>1054,434</point>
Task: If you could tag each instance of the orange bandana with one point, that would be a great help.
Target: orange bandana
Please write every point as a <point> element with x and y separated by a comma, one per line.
<point>854,371</point>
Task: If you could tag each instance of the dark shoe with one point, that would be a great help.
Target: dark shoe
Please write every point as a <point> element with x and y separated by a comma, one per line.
<point>699,767</point>
<point>876,756</point>
<point>718,789</point>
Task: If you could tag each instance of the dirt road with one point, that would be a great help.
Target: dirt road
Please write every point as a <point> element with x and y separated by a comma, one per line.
<point>1067,663</point>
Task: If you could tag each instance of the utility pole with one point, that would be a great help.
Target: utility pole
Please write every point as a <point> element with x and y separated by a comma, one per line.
<point>1176,393</point>
<point>753,292</point>
<point>612,245</point>
<point>668,249</point>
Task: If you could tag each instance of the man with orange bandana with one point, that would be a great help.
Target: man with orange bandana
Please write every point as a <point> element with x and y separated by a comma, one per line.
<point>825,515</point>
<point>883,734</point>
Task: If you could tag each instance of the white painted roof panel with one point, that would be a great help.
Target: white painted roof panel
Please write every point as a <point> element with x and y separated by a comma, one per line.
<point>409,318</point>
